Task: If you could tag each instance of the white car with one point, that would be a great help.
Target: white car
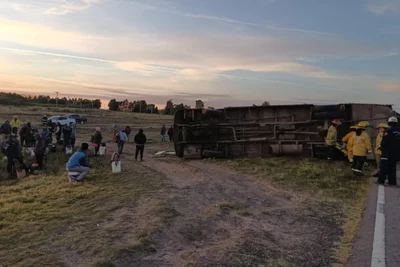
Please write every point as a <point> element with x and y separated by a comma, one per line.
<point>63,120</point>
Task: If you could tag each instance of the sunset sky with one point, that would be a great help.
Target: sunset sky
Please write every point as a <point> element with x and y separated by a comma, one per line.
<point>225,52</point>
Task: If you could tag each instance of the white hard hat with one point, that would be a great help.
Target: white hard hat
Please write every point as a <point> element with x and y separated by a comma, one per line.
<point>392,119</point>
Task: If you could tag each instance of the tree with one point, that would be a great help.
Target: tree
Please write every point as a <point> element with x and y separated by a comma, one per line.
<point>211,108</point>
<point>266,103</point>
<point>199,104</point>
<point>169,108</point>
<point>113,105</point>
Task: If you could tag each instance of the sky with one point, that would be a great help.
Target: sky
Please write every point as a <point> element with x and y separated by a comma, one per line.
<point>225,52</point>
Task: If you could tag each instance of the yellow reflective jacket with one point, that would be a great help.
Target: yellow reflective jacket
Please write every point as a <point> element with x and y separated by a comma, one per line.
<point>378,144</point>
<point>15,123</point>
<point>331,137</point>
<point>349,139</point>
<point>361,144</point>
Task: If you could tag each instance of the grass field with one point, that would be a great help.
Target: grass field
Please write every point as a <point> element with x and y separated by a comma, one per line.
<point>276,212</point>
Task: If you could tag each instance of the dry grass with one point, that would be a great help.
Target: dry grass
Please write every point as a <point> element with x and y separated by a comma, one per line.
<point>323,182</point>
<point>45,221</point>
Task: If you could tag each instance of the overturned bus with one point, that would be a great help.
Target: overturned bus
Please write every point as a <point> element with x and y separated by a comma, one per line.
<point>263,131</point>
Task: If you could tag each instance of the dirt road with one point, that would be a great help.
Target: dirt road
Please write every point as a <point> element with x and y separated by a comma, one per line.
<point>225,219</point>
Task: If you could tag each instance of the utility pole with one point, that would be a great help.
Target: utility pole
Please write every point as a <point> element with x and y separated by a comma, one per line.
<point>56,99</point>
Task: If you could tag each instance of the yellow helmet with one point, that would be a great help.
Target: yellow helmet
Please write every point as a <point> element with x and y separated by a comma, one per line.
<point>383,125</point>
<point>362,124</point>
<point>353,127</point>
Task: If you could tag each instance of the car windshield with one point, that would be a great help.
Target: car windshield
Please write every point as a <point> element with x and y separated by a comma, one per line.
<point>74,116</point>
<point>62,118</point>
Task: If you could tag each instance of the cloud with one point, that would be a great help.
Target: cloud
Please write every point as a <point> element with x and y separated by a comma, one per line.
<point>228,20</point>
<point>390,86</point>
<point>71,6</point>
<point>381,7</point>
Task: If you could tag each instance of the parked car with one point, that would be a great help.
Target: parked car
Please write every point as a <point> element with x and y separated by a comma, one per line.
<point>78,118</point>
<point>63,120</point>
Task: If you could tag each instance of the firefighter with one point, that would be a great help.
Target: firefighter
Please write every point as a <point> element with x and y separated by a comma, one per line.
<point>361,146</point>
<point>348,142</point>
<point>331,138</point>
<point>390,148</point>
<point>381,128</point>
<point>15,125</point>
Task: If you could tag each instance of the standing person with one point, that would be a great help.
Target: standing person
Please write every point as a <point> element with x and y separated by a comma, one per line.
<point>96,140</point>
<point>73,134</point>
<point>163,132</point>
<point>58,132</point>
<point>390,148</point>
<point>67,132</point>
<point>128,131</point>
<point>77,163</point>
<point>378,152</point>
<point>39,150</point>
<point>5,128</point>
<point>331,138</point>
<point>171,133</point>
<point>13,152</point>
<point>115,129</point>
<point>15,125</point>
<point>348,142</point>
<point>361,146</point>
<point>140,140</point>
<point>122,140</point>
<point>24,134</point>
<point>44,121</point>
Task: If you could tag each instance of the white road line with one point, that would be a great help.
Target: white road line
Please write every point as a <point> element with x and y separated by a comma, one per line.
<point>378,250</point>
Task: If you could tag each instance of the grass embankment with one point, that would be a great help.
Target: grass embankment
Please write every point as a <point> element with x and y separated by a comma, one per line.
<point>45,221</point>
<point>323,182</point>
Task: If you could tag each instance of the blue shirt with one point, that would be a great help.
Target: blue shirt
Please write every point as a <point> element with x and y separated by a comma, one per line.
<point>75,159</point>
<point>123,137</point>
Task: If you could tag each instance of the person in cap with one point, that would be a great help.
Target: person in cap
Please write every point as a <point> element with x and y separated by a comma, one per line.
<point>15,125</point>
<point>381,128</point>
<point>331,138</point>
<point>390,148</point>
<point>361,147</point>
<point>348,142</point>
<point>78,163</point>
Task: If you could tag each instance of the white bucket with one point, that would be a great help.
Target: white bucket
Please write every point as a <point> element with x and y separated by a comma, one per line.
<point>68,150</point>
<point>102,150</point>
<point>116,166</point>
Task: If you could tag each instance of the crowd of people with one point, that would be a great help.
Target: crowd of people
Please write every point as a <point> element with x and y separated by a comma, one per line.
<point>358,145</point>
<point>17,135</point>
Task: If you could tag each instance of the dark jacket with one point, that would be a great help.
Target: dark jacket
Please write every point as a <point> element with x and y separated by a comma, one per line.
<point>163,130</point>
<point>170,131</point>
<point>13,149</point>
<point>97,137</point>
<point>40,146</point>
<point>128,130</point>
<point>390,145</point>
<point>140,138</point>
<point>5,129</point>
<point>67,131</point>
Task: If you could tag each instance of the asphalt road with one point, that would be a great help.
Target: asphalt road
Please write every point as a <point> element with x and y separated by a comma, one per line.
<point>369,235</point>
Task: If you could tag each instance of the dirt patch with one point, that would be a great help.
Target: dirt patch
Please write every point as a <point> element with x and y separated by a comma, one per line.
<point>227,219</point>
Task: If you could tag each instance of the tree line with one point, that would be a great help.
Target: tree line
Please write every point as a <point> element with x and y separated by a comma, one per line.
<point>14,99</point>
<point>141,106</point>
